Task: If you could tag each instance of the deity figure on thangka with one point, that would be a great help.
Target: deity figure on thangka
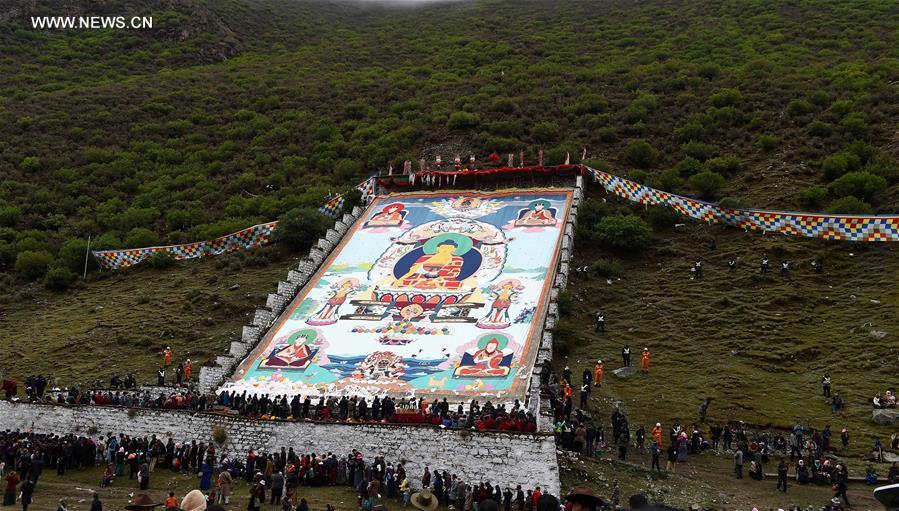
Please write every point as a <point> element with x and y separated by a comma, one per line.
<point>391,215</point>
<point>296,352</point>
<point>437,266</point>
<point>488,360</point>
<point>381,365</point>
<point>504,294</point>
<point>538,214</point>
<point>341,290</point>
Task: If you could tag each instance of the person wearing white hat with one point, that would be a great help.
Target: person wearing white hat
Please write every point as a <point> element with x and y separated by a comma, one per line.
<point>597,373</point>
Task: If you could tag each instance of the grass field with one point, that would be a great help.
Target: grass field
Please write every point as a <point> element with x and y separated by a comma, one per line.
<point>118,324</point>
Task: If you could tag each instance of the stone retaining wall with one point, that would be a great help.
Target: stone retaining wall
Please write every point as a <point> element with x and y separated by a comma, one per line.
<point>504,458</point>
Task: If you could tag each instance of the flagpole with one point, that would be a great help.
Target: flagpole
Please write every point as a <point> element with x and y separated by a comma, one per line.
<point>86,254</point>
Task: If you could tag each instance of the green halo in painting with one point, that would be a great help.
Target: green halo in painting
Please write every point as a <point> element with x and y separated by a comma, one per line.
<point>502,339</point>
<point>543,202</point>
<point>308,332</point>
<point>463,243</point>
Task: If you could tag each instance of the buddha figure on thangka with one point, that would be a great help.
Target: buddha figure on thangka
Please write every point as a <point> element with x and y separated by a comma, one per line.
<point>437,266</point>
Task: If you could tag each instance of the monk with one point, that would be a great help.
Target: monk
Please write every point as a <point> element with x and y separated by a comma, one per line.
<point>567,391</point>
<point>644,360</point>
<point>597,374</point>
<point>657,434</point>
<point>188,366</point>
<point>487,361</point>
<point>167,356</point>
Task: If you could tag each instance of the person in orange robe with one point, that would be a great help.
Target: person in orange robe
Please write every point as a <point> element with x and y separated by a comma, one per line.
<point>167,356</point>
<point>188,365</point>
<point>567,391</point>
<point>597,374</point>
<point>644,360</point>
<point>657,434</point>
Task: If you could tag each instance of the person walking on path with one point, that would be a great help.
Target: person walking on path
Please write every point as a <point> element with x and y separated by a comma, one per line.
<point>597,373</point>
<point>656,453</point>
<point>782,475</point>
<point>825,383</point>
<point>626,355</point>
<point>644,360</point>
<point>600,323</point>
<point>738,463</point>
<point>167,356</point>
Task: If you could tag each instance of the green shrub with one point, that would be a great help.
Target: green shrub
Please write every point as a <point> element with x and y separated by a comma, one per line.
<point>689,166</point>
<point>592,211</point>
<point>661,217</point>
<point>7,255</point>
<point>724,164</point>
<point>58,278</point>
<point>71,254</point>
<point>10,216</point>
<point>768,142</point>
<point>624,232</point>
<point>707,183</point>
<point>33,265</point>
<point>564,333</point>
<point>160,260</point>
<point>799,107</point>
<point>640,154</point>
<point>462,120</point>
<point>545,132</point>
<point>693,130</point>
<point>820,129</point>
<point>698,150</point>
<point>864,185</point>
<point>835,166</point>
<point>606,267</point>
<point>733,203</point>
<point>300,228</point>
<point>725,97</point>
<point>813,197</point>
<point>849,205</point>
<point>31,164</point>
<point>855,125</point>
<point>141,237</point>
<point>841,107</point>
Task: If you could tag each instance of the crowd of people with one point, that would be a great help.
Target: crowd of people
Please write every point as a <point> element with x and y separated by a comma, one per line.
<point>273,478</point>
<point>811,452</point>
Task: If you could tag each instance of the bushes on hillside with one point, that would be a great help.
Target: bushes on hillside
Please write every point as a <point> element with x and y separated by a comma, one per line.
<point>707,184</point>
<point>300,228</point>
<point>849,205</point>
<point>863,185</point>
<point>640,154</point>
<point>58,278</point>
<point>813,197</point>
<point>624,232</point>
<point>33,264</point>
<point>725,97</point>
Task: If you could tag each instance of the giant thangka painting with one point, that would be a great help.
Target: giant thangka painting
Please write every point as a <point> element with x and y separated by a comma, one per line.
<point>438,293</point>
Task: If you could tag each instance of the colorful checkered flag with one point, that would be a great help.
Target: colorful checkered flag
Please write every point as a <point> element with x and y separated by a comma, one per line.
<point>333,206</point>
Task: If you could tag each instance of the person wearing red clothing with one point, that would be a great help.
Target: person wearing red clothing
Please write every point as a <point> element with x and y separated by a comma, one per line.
<point>12,481</point>
<point>644,360</point>
<point>188,367</point>
<point>535,497</point>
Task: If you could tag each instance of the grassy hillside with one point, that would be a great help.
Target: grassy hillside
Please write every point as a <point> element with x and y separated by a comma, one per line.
<point>230,113</point>
<point>236,112</point>
<point>120,324</point>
